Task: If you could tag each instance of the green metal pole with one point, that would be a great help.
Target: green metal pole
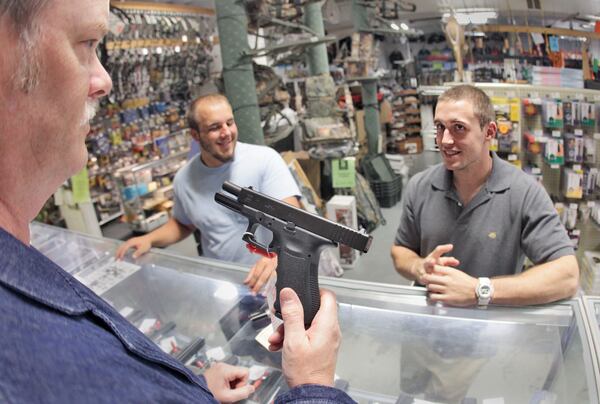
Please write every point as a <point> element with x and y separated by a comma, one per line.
<point>360,18</point>
<point>317,55</point>
<point>238,75</point>
<point>371,107</point>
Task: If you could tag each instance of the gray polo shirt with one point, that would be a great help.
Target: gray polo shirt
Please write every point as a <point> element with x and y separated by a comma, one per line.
<point>511,217</point>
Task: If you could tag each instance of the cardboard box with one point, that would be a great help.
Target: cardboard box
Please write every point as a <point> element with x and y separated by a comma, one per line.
<point>308,185</point>
<point>410,145</point>
<point>342,209</point>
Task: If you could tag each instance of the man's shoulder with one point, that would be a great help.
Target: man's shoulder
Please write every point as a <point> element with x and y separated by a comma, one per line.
<point>255,149</point>
<point>184,172</point>
<point>427,177</point>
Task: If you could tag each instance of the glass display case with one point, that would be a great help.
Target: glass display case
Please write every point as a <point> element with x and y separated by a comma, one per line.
<point>397,347</point>
<point>147,190</point>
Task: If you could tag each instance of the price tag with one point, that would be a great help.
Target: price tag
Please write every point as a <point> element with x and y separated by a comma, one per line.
<point>512,157</point>
<point>597,136</point>
<point>556,95</point>
<point>536,170</point>
<point>535,95</point>
<point>540,132</point>
<point>573,205</point>
<point>555,166</point>
<point>578,132</point>
<point>577,167</point>
<point>217,354</point>
<point>591,204</point>
<point>579,96</point>
<point>511,94</point>
<point>541,139</point>
<point>596,97</point>
<point>556,133</point>
<point>576,232</point>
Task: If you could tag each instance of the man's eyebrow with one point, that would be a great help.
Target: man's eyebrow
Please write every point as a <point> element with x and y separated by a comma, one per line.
<point>100,28</point>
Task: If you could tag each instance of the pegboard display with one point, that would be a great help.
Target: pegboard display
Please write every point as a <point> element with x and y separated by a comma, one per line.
<point>158,56</point>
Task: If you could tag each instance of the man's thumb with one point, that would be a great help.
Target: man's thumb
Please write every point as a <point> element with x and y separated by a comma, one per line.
<point>291,312</point>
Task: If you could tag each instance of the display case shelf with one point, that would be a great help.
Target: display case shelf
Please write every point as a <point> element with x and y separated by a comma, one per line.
<point>396,344</point>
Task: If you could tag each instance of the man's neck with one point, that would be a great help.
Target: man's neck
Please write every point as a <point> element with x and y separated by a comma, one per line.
<point>12,221</point>
<point>468,182</point>
<point>210,161</point>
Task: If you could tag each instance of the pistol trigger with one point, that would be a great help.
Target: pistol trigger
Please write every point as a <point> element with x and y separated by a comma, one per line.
<point>256,250</point>
<point>255,247</point>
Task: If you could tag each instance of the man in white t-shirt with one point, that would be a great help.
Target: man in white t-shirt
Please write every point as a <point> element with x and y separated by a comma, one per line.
<point>222,158</point>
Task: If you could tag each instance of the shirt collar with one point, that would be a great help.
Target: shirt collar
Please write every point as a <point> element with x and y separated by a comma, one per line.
<point>498,181</point>
<point>26,270</point>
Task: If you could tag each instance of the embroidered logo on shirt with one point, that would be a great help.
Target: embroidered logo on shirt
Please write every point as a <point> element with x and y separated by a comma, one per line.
<point>492,235</point>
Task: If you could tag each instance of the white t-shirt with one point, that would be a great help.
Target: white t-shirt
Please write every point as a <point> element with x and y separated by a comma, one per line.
<point>195,186</point>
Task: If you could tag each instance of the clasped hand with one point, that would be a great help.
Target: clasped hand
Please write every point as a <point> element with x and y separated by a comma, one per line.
<point>444,281</point>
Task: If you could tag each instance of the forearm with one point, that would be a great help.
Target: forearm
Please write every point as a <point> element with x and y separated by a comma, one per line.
<point>544,283</point>
<point>169,233</point>
<point>406,261</point>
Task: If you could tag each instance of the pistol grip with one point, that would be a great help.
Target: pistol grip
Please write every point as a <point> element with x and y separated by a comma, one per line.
<point>301,273</point>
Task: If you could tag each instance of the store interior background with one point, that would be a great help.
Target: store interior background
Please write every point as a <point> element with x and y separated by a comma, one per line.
<point>417,35</point>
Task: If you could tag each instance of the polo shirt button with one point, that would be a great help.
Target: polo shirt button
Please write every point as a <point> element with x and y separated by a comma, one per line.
<point>459,204</point>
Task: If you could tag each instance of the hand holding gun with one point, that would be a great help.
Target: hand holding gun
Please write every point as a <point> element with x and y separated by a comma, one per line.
<point>298,239</point>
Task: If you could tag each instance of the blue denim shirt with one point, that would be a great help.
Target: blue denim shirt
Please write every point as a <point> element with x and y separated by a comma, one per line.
<point>61,343</point>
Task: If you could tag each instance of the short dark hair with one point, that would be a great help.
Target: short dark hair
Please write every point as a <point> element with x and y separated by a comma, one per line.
<point>482,105</point>
<point>191,115</point>
<point>22,13</point>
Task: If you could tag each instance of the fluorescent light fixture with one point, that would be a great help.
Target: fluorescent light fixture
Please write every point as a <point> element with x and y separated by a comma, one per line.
<point>404,26</point>
<point>476,16</point>
<point>184,38</point>
<point>395,26</point>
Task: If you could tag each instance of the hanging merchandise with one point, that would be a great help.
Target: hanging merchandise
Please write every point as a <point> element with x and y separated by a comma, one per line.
<point>573,183</point>
<point>157,61</point>
<point>508,116</point>
<point>552,114</point>
<point>574,149</point>
<point>588,115</point>
<point>554,151</point>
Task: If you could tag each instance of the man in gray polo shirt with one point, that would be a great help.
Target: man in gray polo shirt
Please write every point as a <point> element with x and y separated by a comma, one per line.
<point>468,223</point>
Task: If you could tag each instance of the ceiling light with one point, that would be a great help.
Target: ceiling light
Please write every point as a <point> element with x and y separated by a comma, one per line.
<point>404,26</point>
<point>395,26</point>
<point>477,16</point>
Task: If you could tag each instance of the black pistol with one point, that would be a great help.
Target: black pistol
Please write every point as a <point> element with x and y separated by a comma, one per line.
<point>298,239</point>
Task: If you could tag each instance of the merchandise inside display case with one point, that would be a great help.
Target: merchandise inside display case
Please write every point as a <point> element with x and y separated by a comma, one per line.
<point>396,348</point>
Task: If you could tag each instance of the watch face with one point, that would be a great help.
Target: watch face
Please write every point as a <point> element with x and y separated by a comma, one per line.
<point>484,291</point>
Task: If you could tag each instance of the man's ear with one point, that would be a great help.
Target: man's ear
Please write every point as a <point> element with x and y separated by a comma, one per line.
<point>195,134</point>
<point>492,129</point>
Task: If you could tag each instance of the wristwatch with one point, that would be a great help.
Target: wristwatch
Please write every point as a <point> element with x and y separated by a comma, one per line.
<point>484,291</point>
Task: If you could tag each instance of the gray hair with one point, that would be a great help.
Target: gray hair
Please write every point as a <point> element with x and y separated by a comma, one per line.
<point>23,15</point>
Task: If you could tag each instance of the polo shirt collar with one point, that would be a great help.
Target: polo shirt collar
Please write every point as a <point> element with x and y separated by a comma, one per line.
<point>498,181</point>
<point>29,272</point>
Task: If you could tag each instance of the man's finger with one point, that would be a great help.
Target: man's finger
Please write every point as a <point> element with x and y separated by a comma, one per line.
<point>448,262</point>
<point>241,393</point>
<point>441,250</point>
<point>432,278</point>
<point>436,288</point>
<point>293,316</point>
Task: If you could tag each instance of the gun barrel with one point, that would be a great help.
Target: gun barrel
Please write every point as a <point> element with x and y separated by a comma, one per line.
<point>228,202</point>
<point>232,188</point>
